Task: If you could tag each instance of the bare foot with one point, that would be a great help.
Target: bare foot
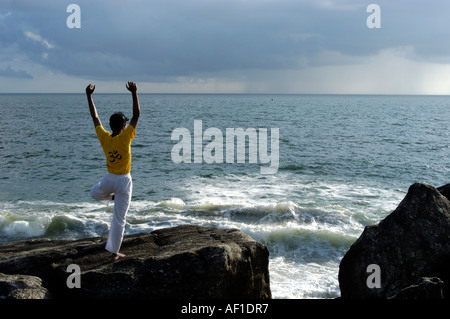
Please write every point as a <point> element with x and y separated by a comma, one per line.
<point>116,257</point>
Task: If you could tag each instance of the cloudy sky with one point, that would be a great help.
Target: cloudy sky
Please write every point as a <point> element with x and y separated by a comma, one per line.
<point>226,46</point>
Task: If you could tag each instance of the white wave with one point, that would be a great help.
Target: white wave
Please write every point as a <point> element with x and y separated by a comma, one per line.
<point>307,224</point>
<point>292,280</point>
<point>16,227</point>
<point>173,203</point>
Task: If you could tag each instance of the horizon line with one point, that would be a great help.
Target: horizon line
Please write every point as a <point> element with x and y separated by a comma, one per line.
<point>231,93</point>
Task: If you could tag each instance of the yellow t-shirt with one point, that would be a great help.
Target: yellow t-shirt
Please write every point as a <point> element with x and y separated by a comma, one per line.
<point>117,149</point>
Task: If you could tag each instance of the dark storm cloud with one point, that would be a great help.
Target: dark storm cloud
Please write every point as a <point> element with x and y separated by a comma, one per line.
<point>10,73</point>
<point>160,40</point>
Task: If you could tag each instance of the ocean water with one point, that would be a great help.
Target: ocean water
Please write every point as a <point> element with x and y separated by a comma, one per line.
<point>345,162</point>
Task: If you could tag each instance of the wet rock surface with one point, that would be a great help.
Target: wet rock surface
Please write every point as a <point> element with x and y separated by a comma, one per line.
<point>184,262</point>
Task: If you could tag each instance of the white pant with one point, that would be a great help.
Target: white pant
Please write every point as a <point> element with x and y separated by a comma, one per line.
<point>121,186</point>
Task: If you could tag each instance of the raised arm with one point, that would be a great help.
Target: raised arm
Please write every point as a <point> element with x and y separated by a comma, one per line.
<point>89,90</point>
<point>132,87</point>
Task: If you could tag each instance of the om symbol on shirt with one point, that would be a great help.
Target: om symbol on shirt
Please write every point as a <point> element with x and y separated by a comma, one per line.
<point>114,155</point>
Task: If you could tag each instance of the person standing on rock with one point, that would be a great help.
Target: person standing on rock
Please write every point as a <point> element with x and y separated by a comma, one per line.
<point>117,184</point>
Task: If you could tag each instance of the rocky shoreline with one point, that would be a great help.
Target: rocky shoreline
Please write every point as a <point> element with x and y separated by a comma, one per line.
<point>184,262</point>
<point>406,255</point>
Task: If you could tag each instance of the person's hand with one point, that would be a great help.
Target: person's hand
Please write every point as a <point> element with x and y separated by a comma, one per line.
<point>132,87</point>
<point>90,89</point>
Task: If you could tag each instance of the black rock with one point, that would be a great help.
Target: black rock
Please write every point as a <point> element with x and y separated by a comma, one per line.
<point>410,243</point>
<point>185,262</point>
<point>424,288</point>
<point>22,287</point>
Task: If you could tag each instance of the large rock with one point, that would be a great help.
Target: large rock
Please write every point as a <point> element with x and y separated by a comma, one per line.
<point>22,287</point>
<point>445,190</point>
<point>185,262</point>
<point>410,243</point>
<point>424,288</point>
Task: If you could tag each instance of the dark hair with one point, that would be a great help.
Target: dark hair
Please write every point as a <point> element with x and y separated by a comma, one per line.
<point>117,121</point>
